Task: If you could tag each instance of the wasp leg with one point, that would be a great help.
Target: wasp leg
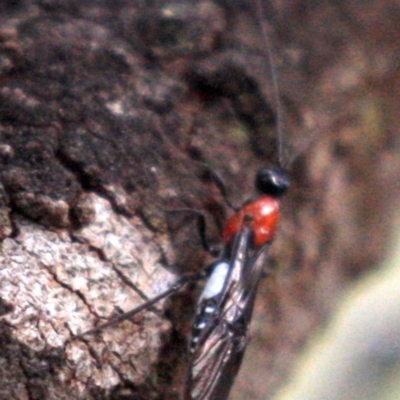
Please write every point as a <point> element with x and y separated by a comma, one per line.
<point>122,317</point>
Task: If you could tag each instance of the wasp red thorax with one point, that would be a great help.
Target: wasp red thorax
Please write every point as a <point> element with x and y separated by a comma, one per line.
<point>261,215</point>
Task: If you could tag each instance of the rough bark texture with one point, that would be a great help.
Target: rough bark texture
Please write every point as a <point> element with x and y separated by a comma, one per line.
<point>111,115</point>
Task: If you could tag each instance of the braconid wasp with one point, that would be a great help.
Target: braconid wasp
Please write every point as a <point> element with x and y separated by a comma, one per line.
<point>220,328</point>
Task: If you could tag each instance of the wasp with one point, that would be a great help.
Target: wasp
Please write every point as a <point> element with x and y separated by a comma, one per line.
<point>224,310</point>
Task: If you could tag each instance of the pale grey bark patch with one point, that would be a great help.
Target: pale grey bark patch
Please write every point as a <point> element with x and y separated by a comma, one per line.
<point>55,287</point>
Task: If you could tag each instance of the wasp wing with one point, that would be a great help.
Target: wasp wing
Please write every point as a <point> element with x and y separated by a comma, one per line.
<point>213,368</point>
<point>221,323</point>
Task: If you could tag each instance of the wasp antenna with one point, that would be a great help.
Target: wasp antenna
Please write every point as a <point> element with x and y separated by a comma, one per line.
<point>274,79</point>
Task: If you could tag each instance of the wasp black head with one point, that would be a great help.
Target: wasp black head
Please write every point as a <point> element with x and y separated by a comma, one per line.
<point>271,181</point>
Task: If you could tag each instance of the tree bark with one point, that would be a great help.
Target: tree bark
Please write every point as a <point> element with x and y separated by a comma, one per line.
<point>111,116</point>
